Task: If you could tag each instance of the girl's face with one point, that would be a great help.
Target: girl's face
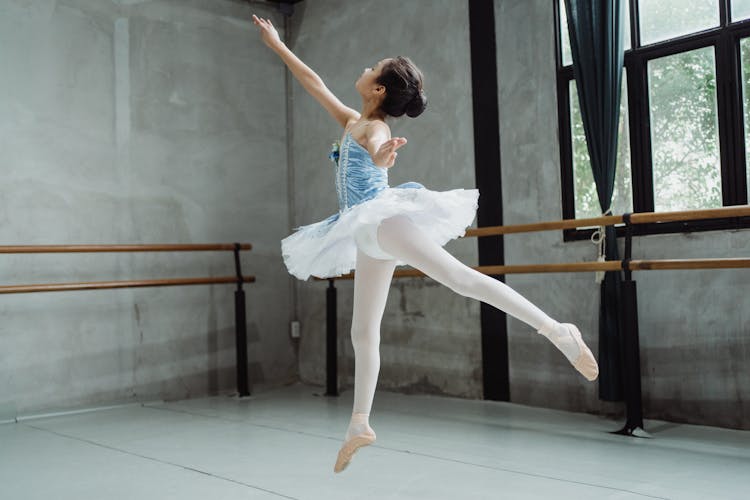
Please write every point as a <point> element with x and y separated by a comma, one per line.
<point>367,81</point>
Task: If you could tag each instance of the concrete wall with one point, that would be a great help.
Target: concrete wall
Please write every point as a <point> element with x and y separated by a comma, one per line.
<point>694,325</point>
<point>138,122</point>
<point>430,336</point>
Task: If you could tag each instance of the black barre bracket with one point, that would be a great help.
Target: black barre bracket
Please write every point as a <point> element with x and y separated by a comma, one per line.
<point>629,343</point>
<point>331,338</point>
<point>238,266</point>
<point>628,245</point>
<point>240,324</point>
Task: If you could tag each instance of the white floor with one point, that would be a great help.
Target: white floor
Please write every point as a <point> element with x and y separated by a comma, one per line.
<point>282,444</point>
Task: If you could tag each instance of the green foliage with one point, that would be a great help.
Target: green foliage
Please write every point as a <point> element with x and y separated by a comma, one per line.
<point>664,19</point>
<point>683,119</point>
<point>584,188</point>
<point>684,131</point>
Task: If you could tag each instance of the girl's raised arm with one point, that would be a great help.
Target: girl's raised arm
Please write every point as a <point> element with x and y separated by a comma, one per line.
<point>306,76</point>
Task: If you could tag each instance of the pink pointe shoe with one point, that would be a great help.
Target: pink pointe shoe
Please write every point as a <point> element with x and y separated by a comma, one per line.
<point>349,448</point>
<point>585,364</point>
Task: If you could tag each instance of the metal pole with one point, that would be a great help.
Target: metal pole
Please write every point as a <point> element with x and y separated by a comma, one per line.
<point>630,345</point>
<point>331,334</point>
<point>240,323</point>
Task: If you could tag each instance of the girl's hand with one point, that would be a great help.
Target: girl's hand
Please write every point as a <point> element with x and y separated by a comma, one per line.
<point>268,32</point>
<point>386,154</point>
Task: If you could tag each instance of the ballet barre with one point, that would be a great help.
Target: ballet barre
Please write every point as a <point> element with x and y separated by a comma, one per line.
<point>628,306</point>
<point>243,387</point>
<point>580,267</point>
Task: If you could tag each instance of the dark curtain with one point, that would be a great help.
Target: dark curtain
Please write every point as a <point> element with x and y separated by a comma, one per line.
<point>596,40</point>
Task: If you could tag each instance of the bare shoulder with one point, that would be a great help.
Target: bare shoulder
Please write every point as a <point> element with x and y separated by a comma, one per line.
<point>351,122</point>
<point>367,132</point>
<point>377,129</point>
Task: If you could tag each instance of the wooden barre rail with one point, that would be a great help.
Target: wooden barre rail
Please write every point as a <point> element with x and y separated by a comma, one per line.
<point>243,387</point>
<point>103,285</point>
<point>122,248</point>
<point>633,265</point>
<point>578,267</point>
<point>609,220</point>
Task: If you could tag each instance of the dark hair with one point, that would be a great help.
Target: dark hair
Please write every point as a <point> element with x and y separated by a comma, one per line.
<point>403,88</point>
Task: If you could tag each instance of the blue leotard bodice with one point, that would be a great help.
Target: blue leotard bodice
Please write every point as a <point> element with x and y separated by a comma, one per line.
<point>358,179</point>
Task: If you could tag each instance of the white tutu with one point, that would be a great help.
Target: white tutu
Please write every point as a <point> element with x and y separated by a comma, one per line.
<point>328,248</point>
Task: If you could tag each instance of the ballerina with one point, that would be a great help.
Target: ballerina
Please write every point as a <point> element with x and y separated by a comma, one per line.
<point>379,227</point>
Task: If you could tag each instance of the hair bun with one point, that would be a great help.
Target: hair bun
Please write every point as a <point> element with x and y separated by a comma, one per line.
<point>417,105</point>
<point>403,88</point>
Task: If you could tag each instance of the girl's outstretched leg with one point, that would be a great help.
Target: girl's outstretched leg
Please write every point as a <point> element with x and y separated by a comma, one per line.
<point>372,280</point>
<point>403,239</point>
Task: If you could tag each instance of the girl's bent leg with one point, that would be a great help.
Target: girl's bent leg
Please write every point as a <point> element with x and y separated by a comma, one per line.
<point>403,239</point>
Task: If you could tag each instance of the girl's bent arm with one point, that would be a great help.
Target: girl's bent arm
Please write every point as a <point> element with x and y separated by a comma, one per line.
<point>310,80</point>
<point>381,146</point>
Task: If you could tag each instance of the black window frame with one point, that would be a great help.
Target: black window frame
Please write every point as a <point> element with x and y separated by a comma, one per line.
<point>725,39</point>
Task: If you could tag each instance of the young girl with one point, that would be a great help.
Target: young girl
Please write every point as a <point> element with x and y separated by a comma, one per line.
<point>379,227</point>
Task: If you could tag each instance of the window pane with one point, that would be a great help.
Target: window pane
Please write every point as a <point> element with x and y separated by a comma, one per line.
<point>584,189</point>
<point>567,57</point>
<point>665,19</point>
<point>745,61</point>
<point>740,9</point>
<point>626,27</point>
<point>684,131</point>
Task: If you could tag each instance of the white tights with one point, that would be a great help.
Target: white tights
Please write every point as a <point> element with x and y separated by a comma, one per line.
<point>401,238</point>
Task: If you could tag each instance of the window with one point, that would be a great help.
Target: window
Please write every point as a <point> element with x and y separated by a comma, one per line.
<point>664,19</point>
<point>566,57</point>
<point>682,142</point>
<point>684,131</point>
<point>740,10</point>
<point>584,188</point>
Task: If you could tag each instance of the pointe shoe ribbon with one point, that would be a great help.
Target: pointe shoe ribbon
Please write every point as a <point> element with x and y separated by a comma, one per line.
<point>349,448</point>
<point>586,363</point>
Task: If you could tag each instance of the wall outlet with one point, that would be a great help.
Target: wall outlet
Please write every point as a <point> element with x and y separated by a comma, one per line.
<point>295,329</point>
